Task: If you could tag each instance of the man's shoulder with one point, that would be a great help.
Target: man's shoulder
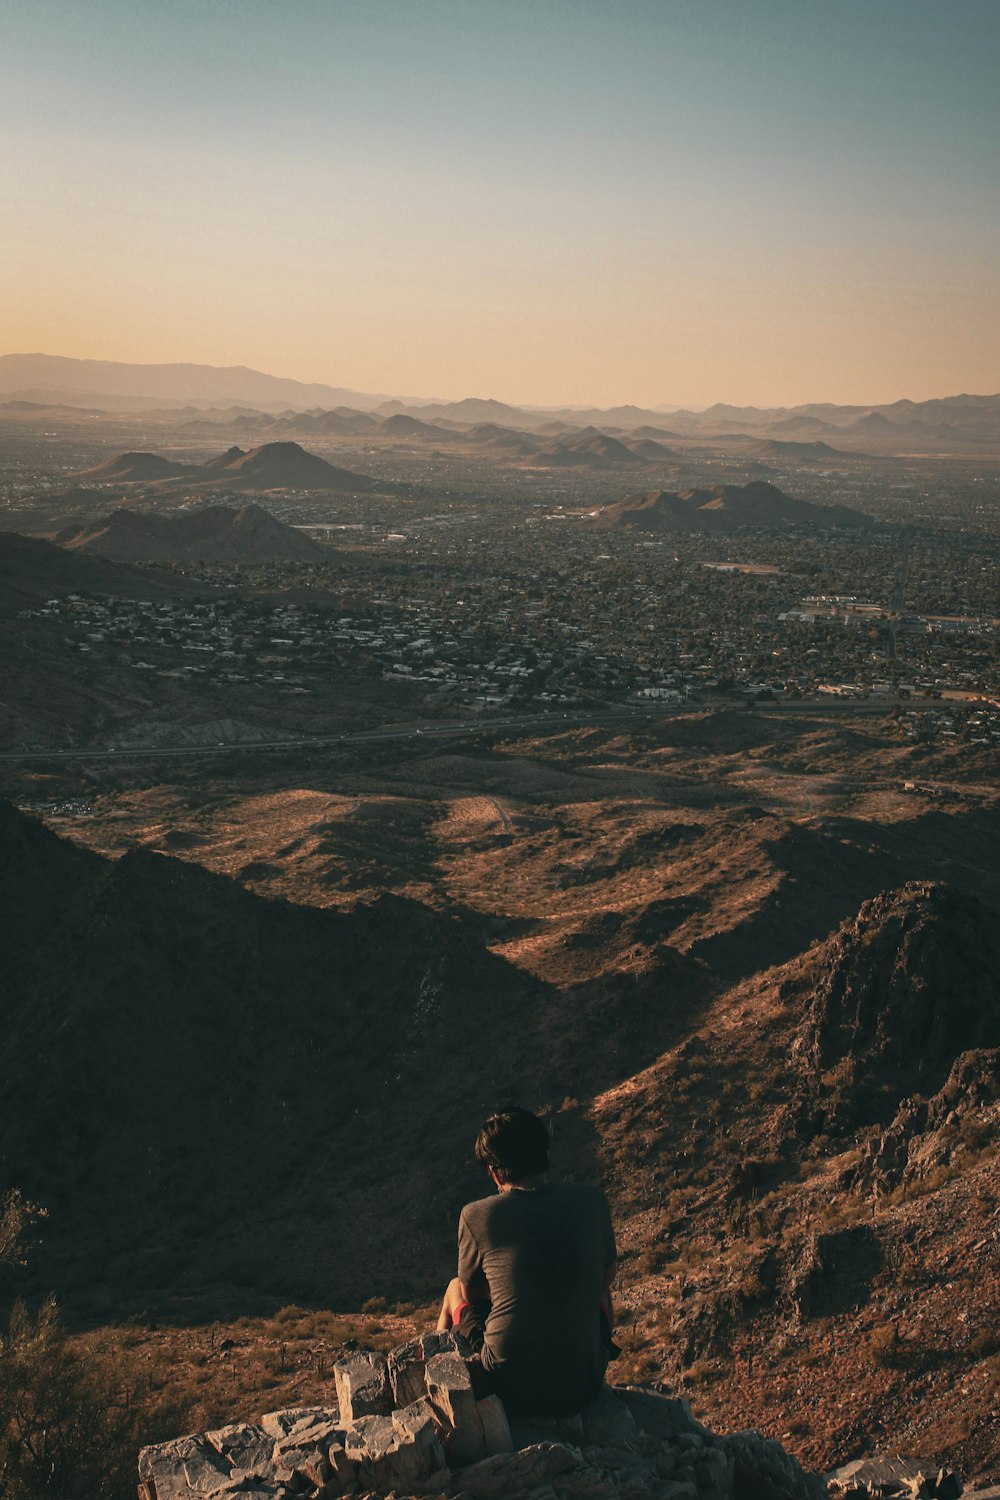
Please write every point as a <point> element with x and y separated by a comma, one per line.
<point>478,1210</point>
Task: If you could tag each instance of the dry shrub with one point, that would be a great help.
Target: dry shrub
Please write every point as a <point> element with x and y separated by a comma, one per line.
<point>70,1424</point>
<point>883,1345</point>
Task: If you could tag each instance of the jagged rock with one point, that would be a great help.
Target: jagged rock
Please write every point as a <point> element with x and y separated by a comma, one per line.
<point>947,1485</point>
<point>244,1447</point>
<point>762,1468</point>
<point>407,1361</point>
<point>416,1421</point>
<point>664,1417</point>
<point>496,1428</point>
<point>344,1471</point>
<point>514,1473</point>
<point>303,1451</point>
<point>363,1388</point>
<point>182,1468</point>
<point>608,1419</point>
<point>278,1424</point>
<point>884,1475</point>
<point>250,1487</point>
<point>388,1457</point>
<point>525,1432</point>
<point>905,988</point>
<point>631,1443</point>
<point>449,1386</point>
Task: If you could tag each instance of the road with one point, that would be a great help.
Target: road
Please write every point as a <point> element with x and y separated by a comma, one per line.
<point>552,723</point>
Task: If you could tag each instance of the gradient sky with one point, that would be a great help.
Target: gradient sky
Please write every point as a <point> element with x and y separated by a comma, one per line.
<point>549,201</point>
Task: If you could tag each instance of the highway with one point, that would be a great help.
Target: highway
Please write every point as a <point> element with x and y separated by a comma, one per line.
<point>544,723</point>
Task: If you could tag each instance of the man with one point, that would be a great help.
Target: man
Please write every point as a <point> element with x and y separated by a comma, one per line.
<point>535,1265</point>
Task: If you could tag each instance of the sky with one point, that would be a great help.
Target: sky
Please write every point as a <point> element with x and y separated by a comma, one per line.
<point>553,202</point>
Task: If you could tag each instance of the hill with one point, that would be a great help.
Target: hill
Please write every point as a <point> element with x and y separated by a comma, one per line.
<point>32,570</point>
<point>193,1025</point>
<point>587,448</point>
<point>217,534</point>
<point>134,468</point>
<point>400,425</point>
<point>652,451</point>
<point>804,452</point>
<point>271,466</point>
<point>724,508</point>
<point>286,465</point>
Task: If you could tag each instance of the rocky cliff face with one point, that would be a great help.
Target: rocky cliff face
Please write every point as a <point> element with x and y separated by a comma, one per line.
<point>910,983</point>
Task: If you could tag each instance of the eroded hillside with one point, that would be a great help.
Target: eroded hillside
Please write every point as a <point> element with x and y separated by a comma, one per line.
<point>749,976</point>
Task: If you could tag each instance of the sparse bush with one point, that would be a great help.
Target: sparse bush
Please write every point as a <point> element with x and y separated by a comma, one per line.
<point>883,1345</point>
<point>17,1216</point>
<point>975,1134</point>
<point>70,1424</point>
<point>753,1288</point>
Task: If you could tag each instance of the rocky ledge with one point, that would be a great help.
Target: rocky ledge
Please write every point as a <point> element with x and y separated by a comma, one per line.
<point>409,1424</point>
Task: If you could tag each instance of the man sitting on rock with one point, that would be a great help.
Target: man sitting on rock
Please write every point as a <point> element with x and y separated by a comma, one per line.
<point>535,1265</point>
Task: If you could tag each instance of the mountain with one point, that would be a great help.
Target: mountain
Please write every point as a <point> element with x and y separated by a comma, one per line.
<point>216,534</point>
<point>134,468</point>
<point>32,571</point>
<point>960,424</point>
<point>905,988</point>
<point>276,466</point>
<point>400,425</point>
<point>472,409</point>
<point>54,377</point>
<point>588,449</point>
<point>648,430</point>
<point>272,466</point>
<point>490,437</point>
<point>723,508</point>
<point>818,451</point>
<point>211,1064</point>
<point>652,451</point>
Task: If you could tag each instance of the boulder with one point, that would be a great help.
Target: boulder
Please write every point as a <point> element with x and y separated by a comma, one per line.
<point>608,1419</point>
<point>278,1424</point>
<point>508,1474</point>
<point>496,1429</point>
<point>183,1468</point>
<point>363,1388</point>
<point>388,1456</point>
<point>449,1386</point>
<point>407,1361</point>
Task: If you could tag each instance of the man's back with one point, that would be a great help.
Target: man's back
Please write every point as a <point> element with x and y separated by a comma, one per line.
<point>545,1252</point>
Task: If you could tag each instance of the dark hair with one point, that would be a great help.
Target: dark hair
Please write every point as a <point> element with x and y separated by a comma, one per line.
<point>515,1143</point>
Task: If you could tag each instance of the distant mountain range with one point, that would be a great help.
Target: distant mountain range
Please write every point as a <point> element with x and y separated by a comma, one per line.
<point>272,466</point>
<point>51,377</point>
<point>216,534</point>
<point>725,507</point>
<point>236,395</point>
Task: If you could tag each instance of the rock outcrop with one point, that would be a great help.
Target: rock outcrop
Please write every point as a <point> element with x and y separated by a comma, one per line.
<point>410,1424</point>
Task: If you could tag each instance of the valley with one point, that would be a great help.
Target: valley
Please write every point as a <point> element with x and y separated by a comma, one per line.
<point>338,816</point>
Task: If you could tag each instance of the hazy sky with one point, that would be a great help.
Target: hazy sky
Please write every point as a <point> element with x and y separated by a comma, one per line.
<point>765,201</point>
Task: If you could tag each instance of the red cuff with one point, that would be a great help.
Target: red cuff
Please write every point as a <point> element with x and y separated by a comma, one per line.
<point>459,1310</point>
